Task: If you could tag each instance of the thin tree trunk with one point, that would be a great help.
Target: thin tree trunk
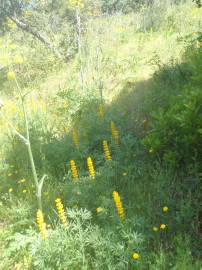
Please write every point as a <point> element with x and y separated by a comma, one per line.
<point>37,35</point>
<point>78,30</point>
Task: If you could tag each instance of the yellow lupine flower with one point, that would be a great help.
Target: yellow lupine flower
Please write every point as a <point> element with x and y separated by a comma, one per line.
<point>115,133</point>
<point>136,256</point>
<point>61,211</point>
<point>24,191</point>
<point>90,167</point>
<point>75,138</point>
<point>74,169</point>
<point>101,111</point>
<point>41,224</point>
<point>11,75</point>
<point>106,150</point>
<point>118,204</point>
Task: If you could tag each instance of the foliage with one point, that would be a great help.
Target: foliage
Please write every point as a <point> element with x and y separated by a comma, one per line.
<point>136,86</point>
<point>176,128</point>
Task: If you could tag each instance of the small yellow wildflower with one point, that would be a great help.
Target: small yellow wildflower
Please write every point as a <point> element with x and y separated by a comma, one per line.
<point>73,4</point>
<point>91,167</point>
<point>145,123</point>
<point>99,210</point>
<point>10,190</point>
<point>18,60</point>
<point>162,226</point>
<point>155,229</point>
<point>13,46</point>
<point>22,181</point>
<point>151,150</point>
<point>118,204</point>
<point>12,25</point>
<point>11,75</point>
<point>136,256</point>
<point>125,174</point>
<point>165,209</point>
<point>24,191</point>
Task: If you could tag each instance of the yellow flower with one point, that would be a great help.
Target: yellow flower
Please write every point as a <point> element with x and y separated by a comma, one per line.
<point>165,209</point>
<point>162,226</point>
<point>61,211</point>
<point>12,25</point>
<point>151,150</point>
<point>22,181</point>
<point>11,75</point>
<point>76,3</point>
<point>155,229</point>
<point>106,150</point>
<point>75,138</point>
<point>101,111</point>
<point>118,204</point>
<point>74,169</point>
<point>99,210</point>
<point>136,256</point>
<point>115,133</point>
<point>90,167</point>
<point>10,190</point>
<point>13,46</point>
<point>125,174</point>
<point>41,224</point>
<point>18,60</point>
<point>24,191</point>
<point>145,123</point>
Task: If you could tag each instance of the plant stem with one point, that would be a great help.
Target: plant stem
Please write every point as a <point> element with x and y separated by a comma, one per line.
<point>33,168</point>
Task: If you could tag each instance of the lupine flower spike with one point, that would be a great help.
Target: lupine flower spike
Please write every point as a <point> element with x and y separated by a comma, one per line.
<point>74,169</point>
<point>91,167</point>
<point>101,111</point>
<point>75,138</point>
<point>118,204</point>
<point>61,211</point>
<point>115,133</point>
<point>41,224</point>
<point>106,150</point>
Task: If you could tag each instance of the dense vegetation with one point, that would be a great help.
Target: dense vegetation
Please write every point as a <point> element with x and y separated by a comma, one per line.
<point>101,135</point>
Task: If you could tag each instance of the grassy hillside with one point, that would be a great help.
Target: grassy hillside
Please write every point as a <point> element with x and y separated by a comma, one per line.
<point>132,102</point>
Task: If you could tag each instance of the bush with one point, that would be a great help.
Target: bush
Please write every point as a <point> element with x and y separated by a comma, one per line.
<point>176,128</point>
